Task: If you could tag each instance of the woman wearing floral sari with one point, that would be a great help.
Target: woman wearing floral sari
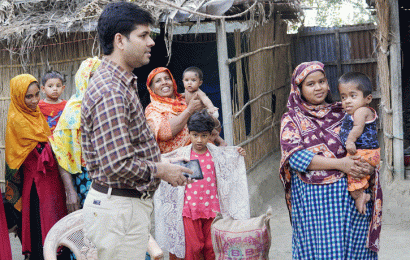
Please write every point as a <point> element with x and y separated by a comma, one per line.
<point>167,114</point>
<point>325,222</point>
<point>66,138</point>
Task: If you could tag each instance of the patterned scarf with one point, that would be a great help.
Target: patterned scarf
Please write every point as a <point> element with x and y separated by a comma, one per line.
<point>316,128</point>
<point>25,129</point>
<point>312,127</point>
<point>65,140</point>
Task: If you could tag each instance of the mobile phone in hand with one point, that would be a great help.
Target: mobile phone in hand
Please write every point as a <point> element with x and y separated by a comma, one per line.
<point>194,166</point>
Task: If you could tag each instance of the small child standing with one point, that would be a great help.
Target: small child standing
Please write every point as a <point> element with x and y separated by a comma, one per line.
<point>192,78</point>
<point>358,131</point>
<point>52,106</point>
<point>183,215</point>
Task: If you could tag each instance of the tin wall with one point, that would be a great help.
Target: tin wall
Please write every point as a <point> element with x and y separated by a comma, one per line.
<point>341,49</point>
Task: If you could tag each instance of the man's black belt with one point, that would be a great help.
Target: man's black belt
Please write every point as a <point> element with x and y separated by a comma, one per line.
<point>121,192</point>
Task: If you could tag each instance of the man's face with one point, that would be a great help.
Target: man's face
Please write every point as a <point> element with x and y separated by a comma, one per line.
<point>137,47</point>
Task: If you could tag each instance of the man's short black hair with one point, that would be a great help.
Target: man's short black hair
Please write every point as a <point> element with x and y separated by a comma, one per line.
<point>120,17</point>
<point>201,121</point>
<point>52,74</point>
<point>196,70</point>
<point>362,81</point>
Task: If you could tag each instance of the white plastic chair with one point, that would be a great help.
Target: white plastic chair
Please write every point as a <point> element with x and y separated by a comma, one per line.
<point>68,232</point>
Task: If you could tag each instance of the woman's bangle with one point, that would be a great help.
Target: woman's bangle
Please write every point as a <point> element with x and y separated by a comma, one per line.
<point>189,112</point>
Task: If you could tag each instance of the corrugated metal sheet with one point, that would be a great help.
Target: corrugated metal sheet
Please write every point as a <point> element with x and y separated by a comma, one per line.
<point>341,49</point>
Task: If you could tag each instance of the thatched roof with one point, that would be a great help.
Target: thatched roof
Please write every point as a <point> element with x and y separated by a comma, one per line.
<point>26,23</point>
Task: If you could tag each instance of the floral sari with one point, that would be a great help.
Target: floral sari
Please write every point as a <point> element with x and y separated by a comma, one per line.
<point>158,113</point>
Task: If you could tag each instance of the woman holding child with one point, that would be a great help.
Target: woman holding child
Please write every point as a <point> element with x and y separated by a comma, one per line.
<point>325,221</point>
<point>168,113</point>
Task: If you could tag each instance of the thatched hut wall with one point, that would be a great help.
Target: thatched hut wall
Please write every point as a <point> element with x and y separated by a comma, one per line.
<point>63,53</point>
<point>266,76</point>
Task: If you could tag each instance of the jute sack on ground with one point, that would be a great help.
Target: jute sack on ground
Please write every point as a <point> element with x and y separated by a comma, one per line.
<point>242,239</point>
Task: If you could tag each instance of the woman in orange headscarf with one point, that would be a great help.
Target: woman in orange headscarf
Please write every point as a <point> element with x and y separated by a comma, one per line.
<point>167,114</point>
<point>34,184</point>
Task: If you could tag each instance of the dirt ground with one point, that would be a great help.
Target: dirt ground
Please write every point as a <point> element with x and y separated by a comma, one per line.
<point>266,190</point>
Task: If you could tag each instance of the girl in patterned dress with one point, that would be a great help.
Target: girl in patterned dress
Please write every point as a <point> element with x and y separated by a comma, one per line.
<point>183,215</point>
<point>325,222</point>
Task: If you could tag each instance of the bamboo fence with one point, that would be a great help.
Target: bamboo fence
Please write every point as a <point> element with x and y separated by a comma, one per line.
<point>383,37</point>
<point>63,53</point>
<point>265,69</point>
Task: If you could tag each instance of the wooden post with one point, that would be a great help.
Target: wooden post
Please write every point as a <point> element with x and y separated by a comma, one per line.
<point>240,133</point>
<point>338,53</point>
<point>396,92</point>
<point>224,80</point>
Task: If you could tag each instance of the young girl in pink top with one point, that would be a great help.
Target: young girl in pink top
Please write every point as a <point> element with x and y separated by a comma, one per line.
<point>183,216</point>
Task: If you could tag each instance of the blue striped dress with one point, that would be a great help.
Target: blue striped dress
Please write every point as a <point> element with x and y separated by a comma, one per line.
<point>325,221</point>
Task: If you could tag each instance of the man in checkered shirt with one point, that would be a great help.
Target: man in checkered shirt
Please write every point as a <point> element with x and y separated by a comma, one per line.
<point>121,153</point>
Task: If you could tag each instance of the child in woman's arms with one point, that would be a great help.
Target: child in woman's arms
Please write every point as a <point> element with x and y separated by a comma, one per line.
<point>52,106</point>
<point>358,131</point>
<point>192,79</point>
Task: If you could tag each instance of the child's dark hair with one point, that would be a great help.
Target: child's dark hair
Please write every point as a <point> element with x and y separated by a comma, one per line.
<point>51,74</point>
<point>120,17</point>
<point>201,121</point>
<point>196,70</point>
<point>362,81</point>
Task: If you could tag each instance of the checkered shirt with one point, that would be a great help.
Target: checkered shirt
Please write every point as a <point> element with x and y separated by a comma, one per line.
<point>117,143</point>
<point>300,160</point>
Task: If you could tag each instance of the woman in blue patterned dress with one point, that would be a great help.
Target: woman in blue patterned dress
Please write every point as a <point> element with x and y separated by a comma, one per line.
<point>325,222</point>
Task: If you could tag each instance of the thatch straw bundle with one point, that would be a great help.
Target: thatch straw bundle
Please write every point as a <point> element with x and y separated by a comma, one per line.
<point>6,12</point>
<point>266,74</point>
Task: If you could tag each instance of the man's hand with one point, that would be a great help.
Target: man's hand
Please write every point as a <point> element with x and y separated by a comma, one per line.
<point>173,174</point>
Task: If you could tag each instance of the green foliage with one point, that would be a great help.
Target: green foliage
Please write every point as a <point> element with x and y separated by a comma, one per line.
<point>331,13</point>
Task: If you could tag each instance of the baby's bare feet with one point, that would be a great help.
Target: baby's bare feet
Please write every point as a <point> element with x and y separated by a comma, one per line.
<point>361,201</point>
